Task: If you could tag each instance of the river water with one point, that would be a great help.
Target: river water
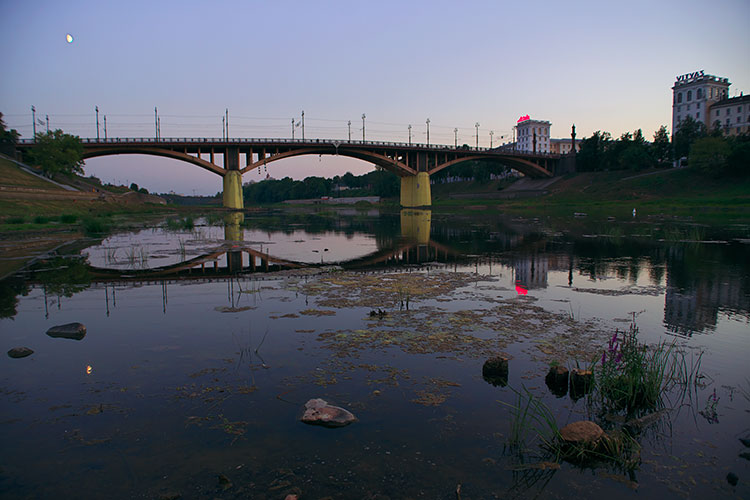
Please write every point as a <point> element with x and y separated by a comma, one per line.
<point>203,344</point>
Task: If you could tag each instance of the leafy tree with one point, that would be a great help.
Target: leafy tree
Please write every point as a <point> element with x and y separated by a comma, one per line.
<point>709,155</point>
<point>592,155</point>
<point>8,138</point>
<point>738,161</point>
<point>661,147</point>
<point>686,134</point>
<point>57,152</point>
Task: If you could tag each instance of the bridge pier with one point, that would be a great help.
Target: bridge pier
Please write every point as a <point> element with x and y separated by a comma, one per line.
<point>232,195</point>
<point>415,190</point>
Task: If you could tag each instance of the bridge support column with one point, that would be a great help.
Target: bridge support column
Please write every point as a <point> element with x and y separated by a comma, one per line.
<point>233,190</point>
<point>415,191</point>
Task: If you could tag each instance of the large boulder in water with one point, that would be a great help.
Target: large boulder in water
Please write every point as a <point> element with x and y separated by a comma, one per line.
<point>73,331</point>
<point>319,412</point>
<point>583,432</point>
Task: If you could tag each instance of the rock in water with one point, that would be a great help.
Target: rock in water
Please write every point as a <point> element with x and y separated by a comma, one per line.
<point>495,371</point>
<point>582,432</point>
<point>73,331</point>
<point>732,478</point>
<point>20,352</point>
<point>319,412</point>
<point>557,380</point>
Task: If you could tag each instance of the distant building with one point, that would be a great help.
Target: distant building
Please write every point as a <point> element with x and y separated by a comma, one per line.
<point>732,115</point>
<point>697,94</point>
<point>562,146</point>
<point>532,135</point>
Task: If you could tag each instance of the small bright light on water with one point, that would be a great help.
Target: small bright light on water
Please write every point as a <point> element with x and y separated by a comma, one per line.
<point>69,38</point>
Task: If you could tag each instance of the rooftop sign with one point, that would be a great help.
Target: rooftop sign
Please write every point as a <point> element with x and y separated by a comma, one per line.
<point>523,118</point>
<point>689,76</point>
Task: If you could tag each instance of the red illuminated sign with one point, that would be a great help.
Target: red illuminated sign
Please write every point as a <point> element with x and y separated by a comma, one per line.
<point>523,118</point>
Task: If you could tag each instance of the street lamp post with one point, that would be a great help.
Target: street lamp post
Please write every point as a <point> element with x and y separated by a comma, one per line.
<point>292,128</point>
<point>409,134</point>
<point>363,127</point>
<point>476,125</point>
<point>97,123</point>
<point>33,121</point>
<point>349,125</point>
<point>105,126</point>
<point>492,132</point>
<point>223,128</point>
<point>156,124</point>
<point>428,131</point>
<point>455,138</point>
<point>303,124</point>
<point>226,114</point>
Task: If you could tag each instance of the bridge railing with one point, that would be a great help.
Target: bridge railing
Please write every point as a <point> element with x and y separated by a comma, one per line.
<point>333,142</point>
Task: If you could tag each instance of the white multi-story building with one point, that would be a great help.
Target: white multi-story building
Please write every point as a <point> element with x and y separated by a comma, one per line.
<point>731,115</point>
<point>694,94</point>
<point>532,135</point>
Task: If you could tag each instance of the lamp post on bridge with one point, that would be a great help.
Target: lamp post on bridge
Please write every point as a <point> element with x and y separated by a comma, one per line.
<point>410,134</point>
<point>292,128</point>
<point>349,125</point>
<point>223,129</point>
<point>428,131</point>
<point>156,124</point>
<point>226,114</point>
<point>105,126</point>
<point>303,124</point>
<point>97,123</point>
<point>492,132</point>
<point>363,127</point>
<point>455,138</point>
<point>33,121</point>
<point>476,125</point>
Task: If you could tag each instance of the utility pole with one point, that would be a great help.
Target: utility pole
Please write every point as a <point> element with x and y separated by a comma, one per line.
<point>97,123</point>
<point>292,128</point>
<point>223,129</point>
<point>158,127</point>
<point>477,127</point>
<point>428,131</point>
<point>33,120</point>
<point>349,124</point>
<point>492,132</point>
<point>226,114</point>
<point>409,134</point>
<point>47,116</point>
<point>455,138</point>
<point>303,124</point>
<point>105,127</point>
<point>156,124</point>
<point>363,127</point>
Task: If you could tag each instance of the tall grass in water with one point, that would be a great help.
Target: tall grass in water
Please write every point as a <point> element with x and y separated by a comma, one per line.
<point>531,420</point>
<point>180,224</point>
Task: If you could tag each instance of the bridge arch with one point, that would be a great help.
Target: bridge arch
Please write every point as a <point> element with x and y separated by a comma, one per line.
<point>165,153</point>
<point>397,167</point>
<point>524,166</point>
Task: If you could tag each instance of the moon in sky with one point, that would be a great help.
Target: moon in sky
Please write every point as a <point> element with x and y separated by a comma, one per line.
<point>69,38</point>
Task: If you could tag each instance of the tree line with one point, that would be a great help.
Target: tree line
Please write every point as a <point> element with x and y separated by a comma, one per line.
<point>709,152</point>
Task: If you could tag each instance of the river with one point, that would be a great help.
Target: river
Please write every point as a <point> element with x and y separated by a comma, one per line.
<point>204,343</point>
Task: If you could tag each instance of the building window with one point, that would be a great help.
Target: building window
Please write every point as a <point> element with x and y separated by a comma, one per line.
<point>739,109</point>
<point>698,93</point>
<point>738,119</point>
<point>717,112</point>
<point>690,95</point>
<point>711,92</point>
<point>729,110</point>
<point>697,115</point>
<point>679,97</point>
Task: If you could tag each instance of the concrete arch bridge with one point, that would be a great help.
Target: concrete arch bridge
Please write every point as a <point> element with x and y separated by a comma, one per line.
<point>413,163</point>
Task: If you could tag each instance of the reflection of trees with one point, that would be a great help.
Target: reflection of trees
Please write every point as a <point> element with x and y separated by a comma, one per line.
<point>10,289</point>
<point>62,276</point>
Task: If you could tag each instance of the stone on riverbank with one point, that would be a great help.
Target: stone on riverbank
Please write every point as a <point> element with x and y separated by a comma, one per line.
<point>557,380</point>
<point>20,352</point>
<point>583,432</point>
<point>495,371</point>
<point>319,412</point>
<point>73,331</point>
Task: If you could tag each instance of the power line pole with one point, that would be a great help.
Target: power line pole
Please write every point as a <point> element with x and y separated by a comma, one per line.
<point>292,128</point>
<point>349,124</point>
<point>410,134</point>
<point>477,127</point>
<point>455,138</point>
<point>156,124</point>
<point>223,128</point>
<point>47,124</point>
<point>226,114</point>
<point>97,123</point>
<point>363,127</point>
<point>105,126</point>
<point>33,120</point>
<point>303,124</point>
<point>158,127</point>
<point>428,131</point>
<point>492,132</point>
